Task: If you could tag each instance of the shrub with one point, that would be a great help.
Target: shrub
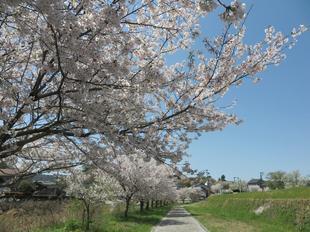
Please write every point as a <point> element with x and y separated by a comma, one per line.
<point>26,186</point>
<point>73,225</point>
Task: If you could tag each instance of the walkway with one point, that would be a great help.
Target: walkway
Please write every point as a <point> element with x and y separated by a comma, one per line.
<point>179,220</point>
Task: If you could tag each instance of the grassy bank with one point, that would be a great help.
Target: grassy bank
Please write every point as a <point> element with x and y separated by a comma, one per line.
<point>283,210</point>
<point>66,217</point>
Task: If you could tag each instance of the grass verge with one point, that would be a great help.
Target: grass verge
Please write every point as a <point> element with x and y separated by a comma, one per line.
<point>52,216</point>
<point>108,219</point>
<point>283,210</point>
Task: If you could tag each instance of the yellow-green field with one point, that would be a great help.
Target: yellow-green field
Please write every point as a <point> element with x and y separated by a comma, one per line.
<point>281,210</point>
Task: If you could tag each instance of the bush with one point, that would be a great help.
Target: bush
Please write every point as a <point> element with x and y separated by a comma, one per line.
<point>26,186</point>
<point>277,184</point>
<point>73,225</point>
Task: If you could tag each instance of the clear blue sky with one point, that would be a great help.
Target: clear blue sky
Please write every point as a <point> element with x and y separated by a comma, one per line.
<point>275,134</point>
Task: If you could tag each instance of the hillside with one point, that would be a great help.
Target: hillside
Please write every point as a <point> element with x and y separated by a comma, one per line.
<point>281,210</point>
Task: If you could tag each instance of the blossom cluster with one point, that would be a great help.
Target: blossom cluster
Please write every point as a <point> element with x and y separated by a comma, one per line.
<point>84,76</point>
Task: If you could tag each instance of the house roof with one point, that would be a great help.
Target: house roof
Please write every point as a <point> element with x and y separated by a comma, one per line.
<point>45,179</point>
<point>256,182</point>
<point>8,172</point>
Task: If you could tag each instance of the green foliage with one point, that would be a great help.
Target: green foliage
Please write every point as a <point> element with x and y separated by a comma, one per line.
<point>73,225</point>
<point>284,210</point>
<point>26,186</point>
<point>69,226</point>
<point>276,184</point>
<point>3,165</point>
<point>276,180</point>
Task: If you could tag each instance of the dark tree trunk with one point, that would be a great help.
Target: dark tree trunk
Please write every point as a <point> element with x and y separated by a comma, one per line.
<point>87,210</point>
<point>156,203</point>
<point>83,218</point>
<point>127,206</point>
<point>160,203</point>
<point>141,206</point>
<point>88,218</point>
<point>152,203</point>
<point>147,206</point>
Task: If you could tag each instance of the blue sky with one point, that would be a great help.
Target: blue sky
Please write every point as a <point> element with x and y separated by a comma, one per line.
<point>275,134</point>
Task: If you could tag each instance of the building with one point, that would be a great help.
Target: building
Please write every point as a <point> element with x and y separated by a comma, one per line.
<point>38,185</point>
<point>43,179</point>
<point>47,187</point>
<point>257,185</point>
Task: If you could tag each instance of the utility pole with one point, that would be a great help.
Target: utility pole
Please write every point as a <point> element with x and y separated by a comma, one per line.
<point>261,181</point>
<point>261,175</point>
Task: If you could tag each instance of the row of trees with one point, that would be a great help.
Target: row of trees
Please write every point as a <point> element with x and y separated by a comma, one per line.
<point>281,179</point>
<point>125,178</point>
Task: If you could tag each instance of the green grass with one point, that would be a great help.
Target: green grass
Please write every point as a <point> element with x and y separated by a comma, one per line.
<point>112,220</point>
<point>66,216</point>
<point>136,221</point>
<point>287,210</point>
<point>292,193</point>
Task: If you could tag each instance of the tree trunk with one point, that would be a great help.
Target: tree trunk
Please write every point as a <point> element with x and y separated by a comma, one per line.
<point>88,218</point>
<point>86,208</point>
<point>156,203</point>
<point>83,218</point>
<point>160,203</point>
<point>141,206</point>
<point>127,206</point>
<point>147,206</point>
<point>152,203</point>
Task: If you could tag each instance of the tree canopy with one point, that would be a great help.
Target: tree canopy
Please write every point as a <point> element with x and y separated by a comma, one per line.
<point>81,76</point>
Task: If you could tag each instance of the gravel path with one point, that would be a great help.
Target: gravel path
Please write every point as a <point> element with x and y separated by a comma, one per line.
<point>179,220</point>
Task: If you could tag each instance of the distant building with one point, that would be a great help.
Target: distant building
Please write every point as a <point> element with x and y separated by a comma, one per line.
<point>43,179</point>
<point>45,186</point>
<point>257,185</point>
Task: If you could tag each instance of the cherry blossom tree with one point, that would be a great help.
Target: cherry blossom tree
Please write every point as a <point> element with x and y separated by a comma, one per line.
<point>140,179</point>
<point>91,187</point>
<point>162,186</point>
<point>95,73</point>
<point>183,194</point>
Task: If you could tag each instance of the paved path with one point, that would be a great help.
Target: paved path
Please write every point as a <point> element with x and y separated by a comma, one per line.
<point>179,220</point>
